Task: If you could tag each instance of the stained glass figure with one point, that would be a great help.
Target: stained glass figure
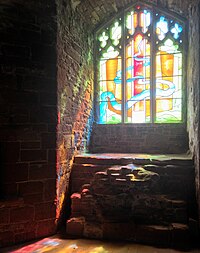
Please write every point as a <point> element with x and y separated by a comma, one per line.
<point>138,80</point>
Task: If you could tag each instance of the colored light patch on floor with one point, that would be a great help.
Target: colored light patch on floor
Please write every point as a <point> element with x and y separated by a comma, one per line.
<point>44,245</point>
<point>57,245</point>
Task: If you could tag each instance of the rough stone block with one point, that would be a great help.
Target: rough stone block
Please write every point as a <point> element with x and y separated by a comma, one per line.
<point>93,230</point>
<point>41,171</point>
<point>50,189</point>
<point>23,237</point>
<point>45,211</point>
<point>4,215</point>
<point>45,228</point>
<point>17,172</point>
<point>119,231</point>
<point>180,236</point>
<point>48,140</point>
<point>10,152</point>
<point>34,198</point>
<point>154,235</point>
<point>22,214</point>
<point>6,238</point>
<point>33,155</point>
<point>27,188</point>
<point>75,226</point>
<point>76,203</point>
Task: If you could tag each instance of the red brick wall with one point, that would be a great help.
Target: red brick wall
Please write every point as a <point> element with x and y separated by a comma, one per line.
<point>28,120</point>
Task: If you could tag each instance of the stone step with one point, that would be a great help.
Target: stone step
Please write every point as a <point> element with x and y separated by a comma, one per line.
<point>83,173</point>
<point>102,160</point>
<point>142,208</point>
<point>142,198</point>
<point>170,170</point>
<point>144,159</point>
<point>91,168</point>
<point>174,180</point>
<point>167,161</point>
<point>162,169</point>
<point>174,235</point>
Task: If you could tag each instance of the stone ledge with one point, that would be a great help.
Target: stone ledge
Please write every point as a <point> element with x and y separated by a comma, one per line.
<point>140,159</point>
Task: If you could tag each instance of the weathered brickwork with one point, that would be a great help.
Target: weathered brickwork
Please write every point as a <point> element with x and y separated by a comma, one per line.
<point>75,91</point>
<point>139,138</point>
<point>27,120</point>
<point>99,11</point>
<point>193,89</point>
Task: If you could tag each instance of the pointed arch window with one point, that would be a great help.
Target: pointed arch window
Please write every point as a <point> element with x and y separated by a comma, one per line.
<point>140,67</point>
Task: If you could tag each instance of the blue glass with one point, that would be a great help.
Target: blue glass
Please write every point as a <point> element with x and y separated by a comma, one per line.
<point>162,28</point>
<point>176,30</point>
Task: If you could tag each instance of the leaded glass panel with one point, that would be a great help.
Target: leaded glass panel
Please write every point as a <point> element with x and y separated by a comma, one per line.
<point>140,68</point>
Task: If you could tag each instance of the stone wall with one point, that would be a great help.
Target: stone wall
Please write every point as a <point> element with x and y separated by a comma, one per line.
<point>75,92</point>
<point>193,89</point>
<point>139,138</point>
<point>27,119</point>
<point>97,12</point>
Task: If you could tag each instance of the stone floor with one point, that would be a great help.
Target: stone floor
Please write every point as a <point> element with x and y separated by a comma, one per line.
<point>55,244</point>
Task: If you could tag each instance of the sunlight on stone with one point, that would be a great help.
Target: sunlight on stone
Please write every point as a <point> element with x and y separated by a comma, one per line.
<point>98,250</point>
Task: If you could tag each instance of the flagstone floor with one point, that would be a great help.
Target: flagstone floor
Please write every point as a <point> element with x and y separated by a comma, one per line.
<point>55,244</point>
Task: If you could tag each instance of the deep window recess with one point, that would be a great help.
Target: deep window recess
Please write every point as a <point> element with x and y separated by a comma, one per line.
<point>140,67</point>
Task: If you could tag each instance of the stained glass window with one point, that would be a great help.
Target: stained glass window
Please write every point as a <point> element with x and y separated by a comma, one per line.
<point>140,68</point>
